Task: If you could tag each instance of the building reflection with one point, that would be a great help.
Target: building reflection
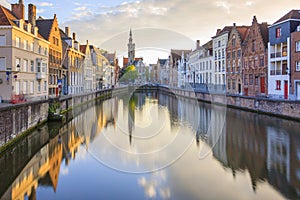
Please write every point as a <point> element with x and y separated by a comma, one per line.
<point>267,148</point>
<point>41,167</point>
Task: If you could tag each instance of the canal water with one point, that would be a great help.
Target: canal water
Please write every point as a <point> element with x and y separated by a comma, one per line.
<point>153,145</point>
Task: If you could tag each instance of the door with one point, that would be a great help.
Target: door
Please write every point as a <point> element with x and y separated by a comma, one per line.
<point>262,85</point>
<point>246,91</point>
<point>285,89</point>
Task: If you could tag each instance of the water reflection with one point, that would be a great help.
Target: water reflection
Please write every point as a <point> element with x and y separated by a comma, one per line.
<point>256,151</point>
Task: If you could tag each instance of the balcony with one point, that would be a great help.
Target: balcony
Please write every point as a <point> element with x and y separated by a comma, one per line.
<point>40,75</point>
<point>279,54</point>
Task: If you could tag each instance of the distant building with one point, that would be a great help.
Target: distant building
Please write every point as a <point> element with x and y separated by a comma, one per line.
<point>89,71</point>
<point>279,56</point>
<point>200,71</point>
<point>23,56</point>
<point>220,41</point>
<point>49,29</point>
<point>162,73</point>
<point>177,66</point>
<point>113,60</point>
<point>73,63</point>
<point>234,51</point>
<point>255,60</point>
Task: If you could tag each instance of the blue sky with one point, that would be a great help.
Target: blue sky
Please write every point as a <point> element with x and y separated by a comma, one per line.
<point>102,21</point>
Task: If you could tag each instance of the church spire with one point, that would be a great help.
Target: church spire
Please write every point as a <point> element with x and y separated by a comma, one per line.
<point>131,49</point>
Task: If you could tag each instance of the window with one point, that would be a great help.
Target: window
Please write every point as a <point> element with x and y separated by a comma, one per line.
<point>25,45</point>
<point>223,53</point>
<point>31,87</point>
<point>25,65</point>
<point>253,45</point>
<point>40,49</point>
<point>256,80</point>
<point>261,61</point>
<point>18,40</point>
<point>246,80</point>
<point>32,66</point>
<point>25,87</point>
<point>219,43</point>
<point>31,47</point>
<point>229,84</point>
<point>2,40</point>
<point>233,41</point>
<point>251,79</point>
<point>2,64</point>
<point>18,61</point>
<point>278,85</point>
<point>297,65</point>
<point>228,55</point>
<point>38,67</point>
<point>297,46</point>
<point>39,86</point>
<point>278,32</point>
<point>233,55</point>
<point>233,84</point>
<point>239,53</point>
<point>45,86</point>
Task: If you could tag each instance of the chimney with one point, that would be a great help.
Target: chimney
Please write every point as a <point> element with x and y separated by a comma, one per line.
<point>18,9</point>
<point>254,19</point>
<point>218,31</point>
<point>32,14</point>
<point>74,36</point>
<point>67,31</point>
<point>198,44</point>
<point>234,24</point>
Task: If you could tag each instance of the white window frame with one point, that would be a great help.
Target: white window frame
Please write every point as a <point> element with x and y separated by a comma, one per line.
<point>25,67</point>
<point>32,66</point>
<point>39,86</point>
<point>297,66</point>
<point>298,46</point>
<point>45,86</point>
<point>31,87</point>
<point>18,42</point>
<point>25,44</point>
<point>18,62</point>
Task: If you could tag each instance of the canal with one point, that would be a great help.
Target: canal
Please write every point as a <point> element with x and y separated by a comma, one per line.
<point>153,145</point>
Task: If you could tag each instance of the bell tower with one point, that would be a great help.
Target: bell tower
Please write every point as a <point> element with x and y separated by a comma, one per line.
<point>131,49</point>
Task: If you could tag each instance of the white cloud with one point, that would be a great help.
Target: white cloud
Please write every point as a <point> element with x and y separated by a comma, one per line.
<point>40,11</point>
<point>82,8</point>
<point>197,19</point>
<point>45,4</point>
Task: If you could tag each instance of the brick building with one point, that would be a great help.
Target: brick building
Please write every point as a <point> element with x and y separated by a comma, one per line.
<point>234,51</point>
<point>255,60</point>
<point>295,63</point>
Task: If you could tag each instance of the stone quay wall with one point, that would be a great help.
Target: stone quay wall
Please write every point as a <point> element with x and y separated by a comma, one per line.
<point>281,108</point>
<point>18,118</point>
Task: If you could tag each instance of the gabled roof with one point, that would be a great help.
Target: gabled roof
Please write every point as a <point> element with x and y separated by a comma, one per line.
<point>6,17</point>
<point>293,14</point>
<point>208,45</point>
<point>243,31</point>
<point>226,29</point>
<point>162,61</point>
<point>45,26</point>
<point>176,53</point>
<point>264,30</point>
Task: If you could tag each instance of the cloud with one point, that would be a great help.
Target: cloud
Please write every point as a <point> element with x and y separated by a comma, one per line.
<point>196,19</point>
<point>82,8</point>
<point>40,11</point>
<point>45,4</point>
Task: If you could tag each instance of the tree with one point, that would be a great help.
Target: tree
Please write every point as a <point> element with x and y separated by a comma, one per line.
<point>129,75</point>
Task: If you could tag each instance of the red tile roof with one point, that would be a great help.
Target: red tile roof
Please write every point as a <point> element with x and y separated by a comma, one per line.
<point>83,48</point>
<point>243,31</point>
<point>6,17</point>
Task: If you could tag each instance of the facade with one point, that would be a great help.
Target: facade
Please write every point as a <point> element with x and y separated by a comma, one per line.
<point>162,71</point>
<point>295,63</point>
<point>219,53</point>
<point>89,75</point>
<point>279,55</point>
<point>113,61</point>
<point>200,71</point>
<point>99,61</point>
<point>73,63</point>
<point>177,63</point>
<point>49,29</point>
<point>142,70</point>
<point>255,60</point>
<point>23,57</point>
<point>234,51</point>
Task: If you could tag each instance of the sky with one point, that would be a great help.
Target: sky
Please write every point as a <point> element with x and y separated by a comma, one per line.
<point>108,21</point>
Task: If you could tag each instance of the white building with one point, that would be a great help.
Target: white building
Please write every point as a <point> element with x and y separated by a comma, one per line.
<point>89,70</point>
<point>200,69</point>
<point>219,54</point>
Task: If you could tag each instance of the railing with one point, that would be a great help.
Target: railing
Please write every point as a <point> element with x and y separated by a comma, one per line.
<point>279,54</point>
